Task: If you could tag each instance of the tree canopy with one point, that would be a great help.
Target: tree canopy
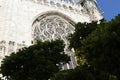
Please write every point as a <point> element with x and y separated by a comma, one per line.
<point>36,62</point>
<point>100,48</point>
<point>97,49</point>
<point>82,30</point>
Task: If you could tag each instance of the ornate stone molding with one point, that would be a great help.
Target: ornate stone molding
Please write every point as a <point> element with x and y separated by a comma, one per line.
<point>8,47</point>
<point>51,27</point>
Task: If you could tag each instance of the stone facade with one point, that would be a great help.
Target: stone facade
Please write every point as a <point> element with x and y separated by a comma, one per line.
<point>24,21</point>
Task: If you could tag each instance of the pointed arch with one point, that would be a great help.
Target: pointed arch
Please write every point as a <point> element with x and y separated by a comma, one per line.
<point>49,13</point>
<point>53,25</point>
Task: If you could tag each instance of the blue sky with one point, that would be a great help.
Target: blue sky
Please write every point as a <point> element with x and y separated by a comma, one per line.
<point>111,8</point>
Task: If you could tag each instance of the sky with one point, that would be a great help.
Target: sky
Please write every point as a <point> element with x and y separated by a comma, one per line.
<point>111,8</point>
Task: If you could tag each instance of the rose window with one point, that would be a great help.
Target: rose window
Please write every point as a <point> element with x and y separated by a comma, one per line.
<point>54,27</point>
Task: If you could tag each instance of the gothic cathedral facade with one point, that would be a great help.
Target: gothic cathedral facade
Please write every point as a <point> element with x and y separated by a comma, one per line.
<point>22,22</point>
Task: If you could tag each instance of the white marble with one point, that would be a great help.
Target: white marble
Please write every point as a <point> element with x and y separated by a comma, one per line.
<point>18,17</point>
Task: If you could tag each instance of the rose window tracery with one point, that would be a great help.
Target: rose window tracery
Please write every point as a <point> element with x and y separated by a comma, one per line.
<point>53,27</point>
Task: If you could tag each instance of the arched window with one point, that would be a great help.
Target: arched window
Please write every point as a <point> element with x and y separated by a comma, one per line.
<point>54,26</point>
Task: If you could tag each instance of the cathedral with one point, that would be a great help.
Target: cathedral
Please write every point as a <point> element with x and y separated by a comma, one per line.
<point>22,22</point>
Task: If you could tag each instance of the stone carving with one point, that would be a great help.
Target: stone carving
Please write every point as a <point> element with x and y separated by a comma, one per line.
<point>56,20</point>
<point>11,46</point>
<point>54,27</point>
<point>2,48</point>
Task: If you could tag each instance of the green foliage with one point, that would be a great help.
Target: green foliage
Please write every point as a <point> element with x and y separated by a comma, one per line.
<point>37,62</point>
<point>102,47</point>
<point>73,74</point>
<point>81,31</point>
<point>83,73</point>
<point>99,48</point>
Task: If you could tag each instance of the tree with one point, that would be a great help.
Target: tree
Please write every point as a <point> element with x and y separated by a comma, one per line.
<point>37,62</point>
<point>85,71</point>
<point>101,48</point>
<point>81,31</point>
<point>73,74</point>
<point>82,73</point>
